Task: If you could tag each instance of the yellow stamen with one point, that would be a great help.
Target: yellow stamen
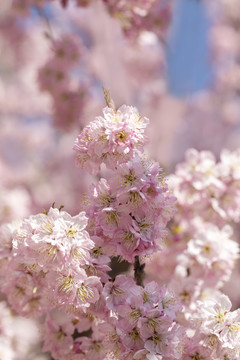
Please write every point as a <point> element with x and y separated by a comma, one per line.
<point>65,284</point>
<point>129,178</point>
<point>234,327</point>
<point>85,293</point>
<point>121,136</point>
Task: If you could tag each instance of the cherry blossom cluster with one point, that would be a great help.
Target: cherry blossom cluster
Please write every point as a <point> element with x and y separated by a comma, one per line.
<point>131,207</point>
<point>135,323</point>
<point>111,140</point>
<point>79,335</point>
<point>207,198</point>
<point>211,330</point>
<point>216,330</point>
<point>48,264</point>
<point>209,189</point>
<point>54,77</point>
<point>207,262</point>
<point>147,320</point>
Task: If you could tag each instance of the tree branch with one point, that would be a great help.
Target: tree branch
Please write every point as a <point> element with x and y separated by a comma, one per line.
<point>138,271</point>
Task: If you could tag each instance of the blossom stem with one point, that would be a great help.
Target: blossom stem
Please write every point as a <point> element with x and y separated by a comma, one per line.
<point>108,99</point>
<point>138,271</point>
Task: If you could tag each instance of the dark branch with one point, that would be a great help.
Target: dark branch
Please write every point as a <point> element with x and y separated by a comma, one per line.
<point>138,271</point>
